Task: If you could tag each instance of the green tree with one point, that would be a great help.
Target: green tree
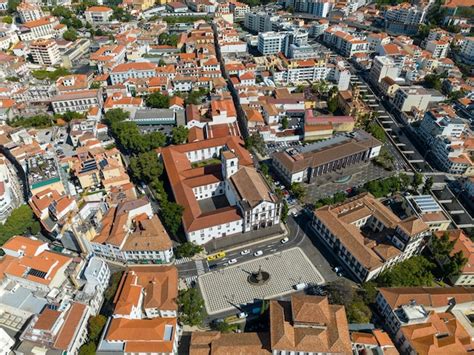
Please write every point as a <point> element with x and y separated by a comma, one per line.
<point>377,132</point>
<point>416,271</point>
<point>115,115</point>
<point>168,39</point>
<point>187,250</point>
<point>417,181</point>
<point>433,81</point>
<point>70,35</point>
<point>88,349</point>
<point>255,141</point>
<point>442,250</point>
<point>404,180</point>
<point>264,169</point>
<point>38,121</point>
<point>7,19</point>
<point>146,167</point>
<point>172,213</point>
<point>158,100</point>
<point>333,104</point>
<point>297,190</point>
<point>20,222</point>
<point>95,326</point>
<point>358,312</point>
<point>179,135</point>
<point>284,122</point>
<point>62,11</point>
<point>113,285</point>
<point>12,5</point>
<point>284,211</point>
<point>161,63</point>
<point>95,85</point>
<point>428,185</point>
<point>224,327</point>
<point>190,307</point>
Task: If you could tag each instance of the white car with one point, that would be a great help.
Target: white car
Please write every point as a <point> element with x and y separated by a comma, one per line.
<point>232,261</point>
<point>242,315</point>
<point>245,252</point>
<point>258,253</point>
<point>284,240</point>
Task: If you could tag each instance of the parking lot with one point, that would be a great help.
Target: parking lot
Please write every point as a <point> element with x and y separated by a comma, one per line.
<point>280,146</point>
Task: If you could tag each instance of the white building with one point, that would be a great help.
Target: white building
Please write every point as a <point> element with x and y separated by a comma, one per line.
<point>45,52</point>
<point>405,306</point>
<point>11,194</point>
<point>320,8</point>
<point>29,12</point>
<point>353,228</point>
<point>261,22</point>
<point>383,67</point>
<point>79,101</point>
<point>98,14</point>
<point>125,71</point>
<point>41,28</point>
<point>133,234</point>
<point>345,43</point>
<point>407,98</point>
<point>96,274</point>
<point>439,49</point>
<point>404,18</point>
<point>249,201</point>
<point>467,50</point>
<point>444,133</point>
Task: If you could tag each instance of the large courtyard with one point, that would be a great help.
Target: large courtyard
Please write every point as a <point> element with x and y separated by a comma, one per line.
<point>228,289</point>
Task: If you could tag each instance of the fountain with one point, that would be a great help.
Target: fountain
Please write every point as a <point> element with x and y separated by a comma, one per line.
<point>258,278</point>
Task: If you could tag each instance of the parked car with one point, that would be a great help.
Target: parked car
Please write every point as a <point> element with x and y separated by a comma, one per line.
<point>258,253</point>
<point>242,315</point>
<point>284,240</point>
<point>245,252</point>
<point>232,261</point>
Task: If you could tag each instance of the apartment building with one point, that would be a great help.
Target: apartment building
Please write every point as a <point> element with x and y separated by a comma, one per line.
<point>145,313</point>
<point>261,22</point>
<point>78,101</point>
<point>133,234</point>
<point>275,42</point>
<point>408,98</point>
<point>345,43</point>
<point>367,236</point>
<point>238,9</point>
<point>43,173</point>
<point>42,28</point>
<point>61,330</point>
<point>29,12</point>
<point>11,194</point>
<point>444,132</point>
<point>98,14</point>
<point>405,18</point>
<point>45,52</point>
<point>219,168</point>
<point>383,67</point>
<point>467,50</point>
<point>292,331</point>
<point>422,318</point>
<point>107,57</point>
<point>439,49</point>
<point>125,71</point>
<point>94,276</point>
<point>305,164</point>
<point>147,290</point>
<point>320,8</point>
<point>32,265</point>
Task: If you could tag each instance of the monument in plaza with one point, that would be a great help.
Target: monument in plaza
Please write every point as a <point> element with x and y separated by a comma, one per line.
<point>258,278</point>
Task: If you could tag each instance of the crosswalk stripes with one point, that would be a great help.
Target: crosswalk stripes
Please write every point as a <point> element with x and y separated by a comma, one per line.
<point>190,279</point>
<point>200,267</point>
<point>182,260</point>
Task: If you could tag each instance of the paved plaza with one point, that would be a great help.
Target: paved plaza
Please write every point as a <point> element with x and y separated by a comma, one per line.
<point>227,289</point>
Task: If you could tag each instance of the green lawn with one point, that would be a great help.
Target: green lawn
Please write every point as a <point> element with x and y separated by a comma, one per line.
<point>212,161</point>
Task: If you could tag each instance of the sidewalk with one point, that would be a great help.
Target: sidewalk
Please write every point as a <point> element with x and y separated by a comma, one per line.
<point>248,239</point>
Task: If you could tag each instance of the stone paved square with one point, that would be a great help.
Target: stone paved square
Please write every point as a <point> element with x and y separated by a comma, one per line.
<point>225,289</point>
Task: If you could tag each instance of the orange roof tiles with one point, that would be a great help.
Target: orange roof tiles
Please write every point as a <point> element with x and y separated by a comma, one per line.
<point>75,318</point>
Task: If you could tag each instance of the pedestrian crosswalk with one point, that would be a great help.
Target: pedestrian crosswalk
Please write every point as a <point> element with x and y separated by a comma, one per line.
<point>182,261</point>
<point>200,267</point>
<point>190,279</point>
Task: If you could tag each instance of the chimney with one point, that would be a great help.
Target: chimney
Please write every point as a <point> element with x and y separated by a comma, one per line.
<point>451,304</point>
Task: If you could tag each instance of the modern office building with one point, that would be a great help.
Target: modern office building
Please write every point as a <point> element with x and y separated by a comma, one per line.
<point>314,160</point>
